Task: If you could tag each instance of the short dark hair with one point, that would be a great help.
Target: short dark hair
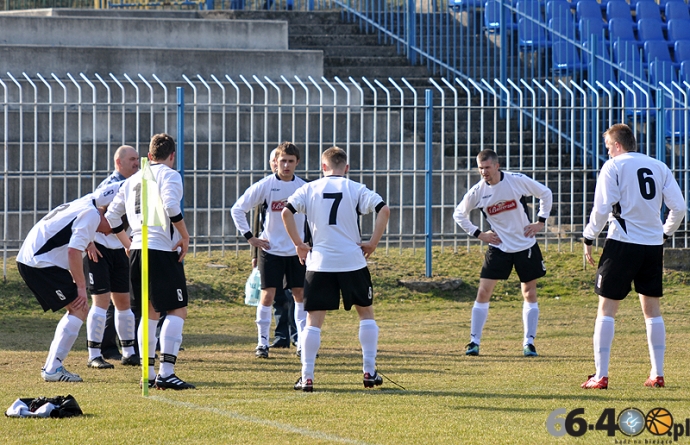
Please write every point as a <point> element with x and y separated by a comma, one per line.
<point>287,148</point>
<point>487,155</point>
<point>622,134</point>
<point>162,146</point>
<point>335,157</point>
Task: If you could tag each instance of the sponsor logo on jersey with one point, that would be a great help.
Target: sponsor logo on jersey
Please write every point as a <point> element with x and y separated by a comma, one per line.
<point>179,295</point>
<point>278,206</point>
<point>275,190</point>
<point>501,206</point>
<point>60,295</point>
<point>487,196</point>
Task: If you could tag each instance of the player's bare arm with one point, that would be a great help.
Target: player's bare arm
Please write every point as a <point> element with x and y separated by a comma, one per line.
<point>76,267</point>
<point>93,252</point>
<point>259,243</point>
<point>183,243</point>
<point>301,247</point>
<point>379,227</point>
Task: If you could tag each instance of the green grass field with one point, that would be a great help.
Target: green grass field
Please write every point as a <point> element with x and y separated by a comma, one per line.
<point>499,397</point>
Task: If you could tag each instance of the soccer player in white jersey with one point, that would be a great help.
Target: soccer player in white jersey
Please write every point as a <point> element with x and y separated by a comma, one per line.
<point>277,258</point>
<point>630,191</point>
<point>501,196</point>
<point>167,247</point>
<point>337,262</point>
<point>107,270</point>
<point>50,262</point>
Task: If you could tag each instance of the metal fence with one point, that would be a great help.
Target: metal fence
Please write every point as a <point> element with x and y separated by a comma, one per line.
<point>59,136</point>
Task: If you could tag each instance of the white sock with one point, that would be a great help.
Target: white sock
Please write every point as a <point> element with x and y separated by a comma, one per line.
<point>369,339</point>
<point>480,311</point>
<point>153,324</point>
<point>603,337</point>
<point>300,321</point>
<point>66,333</point>
<point>656,339</point>
<point>171,339</point>
<point>530,319</point>
<point>263,323</point>
<point>124,325</point>
<point>310,347</point>
<point>95,325</point>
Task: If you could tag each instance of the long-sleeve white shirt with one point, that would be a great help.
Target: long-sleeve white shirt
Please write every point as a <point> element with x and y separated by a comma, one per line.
<point>630,191</point>
<point>272,192</point>
<point>505,208</point>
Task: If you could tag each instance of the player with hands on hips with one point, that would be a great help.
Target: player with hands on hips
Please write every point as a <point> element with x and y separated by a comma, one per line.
<point>501,196</point>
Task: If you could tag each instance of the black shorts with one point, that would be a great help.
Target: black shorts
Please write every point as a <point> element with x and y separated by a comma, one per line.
<point>280,271</point>
<point>53,286</point>
<point>109,274</point>
<point>322,290</point>
<point>529,264</point>
<point>622,263</point>
<point>167,282</point>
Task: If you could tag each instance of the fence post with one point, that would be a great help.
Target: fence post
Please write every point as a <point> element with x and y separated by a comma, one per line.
<point>180,136</point>
<point>429,166</point>
<point>411,32</point>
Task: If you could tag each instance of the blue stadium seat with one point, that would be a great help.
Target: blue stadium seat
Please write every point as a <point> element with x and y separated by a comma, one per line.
<point>626,51</point>
<point>684,73</point>
<point>665,72</point>
<point>529,8</point>
<point>492,11</point>
<point>588,9</point>
<point>618,9</point>
<point>562,28</point>
<point>647,9</point>
<point>598,68</point>
<point>637,103</point>
<point>650,29</point>
<point>621,29</point>
<point>565,58</point>
<point>657,50</point>
<point>558,8</point>
<point>590,26</point>
<point>662,71</point>
<point>678,29</point>
<point>677,10</point>
<point>681,51</point>
<point>531,35</point>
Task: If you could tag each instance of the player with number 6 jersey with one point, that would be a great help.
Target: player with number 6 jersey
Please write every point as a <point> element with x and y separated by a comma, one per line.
<point>630,191</point>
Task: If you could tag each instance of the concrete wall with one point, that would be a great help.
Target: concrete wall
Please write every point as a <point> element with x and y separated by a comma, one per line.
<point>144,32</point>
<point>167,64</point>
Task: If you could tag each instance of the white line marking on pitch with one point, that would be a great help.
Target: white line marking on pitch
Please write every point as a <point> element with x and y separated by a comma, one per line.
<point>260,421</point>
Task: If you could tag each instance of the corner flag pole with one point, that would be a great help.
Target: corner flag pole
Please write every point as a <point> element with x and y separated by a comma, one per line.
<point>144,286</point>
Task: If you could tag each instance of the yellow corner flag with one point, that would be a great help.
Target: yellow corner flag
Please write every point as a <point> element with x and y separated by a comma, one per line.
<point>152,215</point>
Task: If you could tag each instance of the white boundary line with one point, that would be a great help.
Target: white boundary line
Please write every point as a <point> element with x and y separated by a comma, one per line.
<point>260,421</point>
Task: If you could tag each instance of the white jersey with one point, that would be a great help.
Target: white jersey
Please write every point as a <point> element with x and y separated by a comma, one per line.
<point>630,191</point>
<point>110,241</point>
<point>68,225</point>
<point>505,208</point>
<point>333,205</point>
<point>272,193</point>
<point>128,201</point>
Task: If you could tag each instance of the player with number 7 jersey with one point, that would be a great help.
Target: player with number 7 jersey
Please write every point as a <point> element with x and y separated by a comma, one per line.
<point>337,261</point>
